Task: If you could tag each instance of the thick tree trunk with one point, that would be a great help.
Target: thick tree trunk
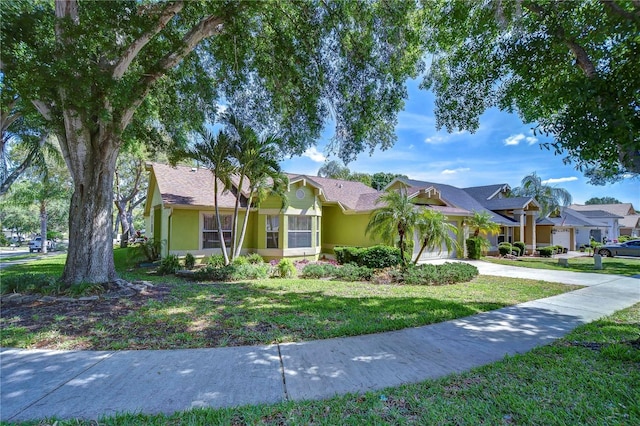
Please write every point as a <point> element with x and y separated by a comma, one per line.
<point>90,255</point>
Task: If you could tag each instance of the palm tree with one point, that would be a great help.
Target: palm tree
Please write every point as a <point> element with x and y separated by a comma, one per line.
<point>396,217</point>
<point>549,197</point>
<point>213,152</point>
<point>482,224</point>
<point>258,160</point>
<point>434,231</point>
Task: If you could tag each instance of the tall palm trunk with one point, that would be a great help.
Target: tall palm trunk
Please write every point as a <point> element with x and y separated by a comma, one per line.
<point>223,244</point>
<point>244,225</point>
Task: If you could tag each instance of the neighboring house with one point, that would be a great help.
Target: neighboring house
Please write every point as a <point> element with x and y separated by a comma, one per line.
<point>608,217</point>
<point>628,223</point>
<point>570,229</point>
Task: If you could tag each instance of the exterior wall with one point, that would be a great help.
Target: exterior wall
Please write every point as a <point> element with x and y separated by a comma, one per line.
<point>185,231</point>
<point>339,229</point>
<point>544,235</point>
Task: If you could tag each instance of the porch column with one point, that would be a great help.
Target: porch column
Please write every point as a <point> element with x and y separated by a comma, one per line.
<point>533,215</point>
<point>523,221</point>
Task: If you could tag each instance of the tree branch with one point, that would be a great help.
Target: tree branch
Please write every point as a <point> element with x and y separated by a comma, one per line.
<point>207,27</point>
<point>132,51</point>
<point>6,184</point>
<point>43,109</point>
<point>65,9</point>
<point>616,9</point>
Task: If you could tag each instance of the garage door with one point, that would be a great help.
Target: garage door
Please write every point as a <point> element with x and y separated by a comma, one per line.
<point>561,237</point>
<point>434,254</point>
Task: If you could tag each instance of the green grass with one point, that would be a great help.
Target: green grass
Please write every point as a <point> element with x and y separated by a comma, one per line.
<point>615,266</point>
<point>591,377</point>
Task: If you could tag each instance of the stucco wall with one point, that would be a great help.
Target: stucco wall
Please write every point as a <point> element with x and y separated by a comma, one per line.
<point>339,229</point>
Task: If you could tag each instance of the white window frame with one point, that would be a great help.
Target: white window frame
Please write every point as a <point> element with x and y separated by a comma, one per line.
<point>294,234</point>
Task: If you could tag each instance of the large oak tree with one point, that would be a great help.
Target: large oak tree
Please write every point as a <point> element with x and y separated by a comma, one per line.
<point>102,72</point>
<point>573,67</point>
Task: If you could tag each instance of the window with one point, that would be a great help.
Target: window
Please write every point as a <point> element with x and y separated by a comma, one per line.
<point>299,234</point>
<point>317,230</point>
<point>273,228</point>
<point>210,238</point>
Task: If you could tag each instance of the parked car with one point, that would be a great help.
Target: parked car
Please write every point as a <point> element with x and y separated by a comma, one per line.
<point>629,248</point>
<point>36,245</point>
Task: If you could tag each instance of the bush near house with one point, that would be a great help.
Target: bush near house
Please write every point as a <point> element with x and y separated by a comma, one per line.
<point>474,247</point>
<point>189,261</point>
<point>429,274</point>
<point>169,265</point>
<point>546,251</point>
<point>521,245</point>
<point>371,257</point>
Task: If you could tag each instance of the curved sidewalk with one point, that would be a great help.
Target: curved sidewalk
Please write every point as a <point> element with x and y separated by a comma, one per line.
<point>35,384</point>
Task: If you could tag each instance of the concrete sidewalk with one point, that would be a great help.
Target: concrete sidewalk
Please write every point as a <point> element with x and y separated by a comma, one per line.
<point>83,384</point>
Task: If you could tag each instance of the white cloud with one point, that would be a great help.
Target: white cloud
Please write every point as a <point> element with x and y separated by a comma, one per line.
<point>454,171</point>
<point>314,155</point>
<point>531,140</point>
<point>559,180</point>
<point>444,137</point>
<point>436,139</point>
<point>514,139</point>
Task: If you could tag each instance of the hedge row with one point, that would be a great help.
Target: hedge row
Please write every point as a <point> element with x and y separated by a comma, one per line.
<point>375,257</point>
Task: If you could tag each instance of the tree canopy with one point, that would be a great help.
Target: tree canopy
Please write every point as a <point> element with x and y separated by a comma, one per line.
<point>550,198</point>
<point>572,67</point>
<point>602,200</point>
<point>105,73</point>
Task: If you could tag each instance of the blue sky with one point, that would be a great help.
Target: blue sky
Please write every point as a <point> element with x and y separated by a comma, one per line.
<point>503,150</point>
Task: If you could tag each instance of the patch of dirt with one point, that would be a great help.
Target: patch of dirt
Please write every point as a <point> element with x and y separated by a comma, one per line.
<point>75,318</point>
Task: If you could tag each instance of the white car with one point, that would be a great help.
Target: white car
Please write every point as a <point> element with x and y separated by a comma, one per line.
<point>36,245</point>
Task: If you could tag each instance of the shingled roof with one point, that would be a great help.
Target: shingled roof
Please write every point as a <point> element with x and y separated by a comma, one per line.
<point>351,195</point>
<point>486,192</point>
<point>569,217</point>
<point>620,209</point>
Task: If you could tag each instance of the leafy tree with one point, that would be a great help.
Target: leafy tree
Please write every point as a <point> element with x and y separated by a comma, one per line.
<point>381,179</point>
<point>103,73</point>
<point>396,217</point>
<point>549,197</point>
<point>434,231</point>
<point>571,67</point>
<point>334,170</point>
<point>129,177</point>
<point>602,200</point>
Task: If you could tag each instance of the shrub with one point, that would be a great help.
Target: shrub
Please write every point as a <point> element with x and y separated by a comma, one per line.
<point>189,261</point>
<point>546,251</point>
<point>522,246</point>
<point>351,272</point>
<point>285,268</point>
<point>148,249</point>
<point>505,249</point>
<point>249,271</point>
<point>255,258</point>
<point>319,270</point>
<point>346,255</point>
<point>515,251</point>
<point>210,272</point>
<point>169,265</point>
<point>380,256</point>
<point>474,247</point>
<point>240,260</point>
<point>30,283</point>
<point>215,261</point>
<point>4,241</point>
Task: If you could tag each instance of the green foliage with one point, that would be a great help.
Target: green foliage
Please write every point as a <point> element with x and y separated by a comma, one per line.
<point>372,257</point>
<point>189,261</point>
<point>285,268</point>
<point>4,241</point>
<point>624,238</point>
<point>602,200</point>
<point>169,265</point>
<point>434,232</point>
<point>148,250</point>
<point>444,274</point>
<point>351,272</point>
<point>581,90</point>
<point>505,248</point>
<point>255,258</point>
<point>215,261</point>
<point>546,251</point>
<point>482,224</point>
<point>84,289</point>
<point>319,270</point>
<point>249,271</point>
<point>474,247</point>
<point>550,198</point>
<point>214,273</point>
<point>30,283</point>
<point>240,260</point>
<point>521,245</point>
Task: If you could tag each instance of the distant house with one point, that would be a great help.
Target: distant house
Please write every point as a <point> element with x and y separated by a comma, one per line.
<point>613,220</point>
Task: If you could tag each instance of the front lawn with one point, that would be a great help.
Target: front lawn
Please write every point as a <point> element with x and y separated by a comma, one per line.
<point>181,314</point>
<point>614,266</point>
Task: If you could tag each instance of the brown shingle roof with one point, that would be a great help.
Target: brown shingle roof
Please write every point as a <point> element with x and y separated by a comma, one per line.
<point>188,186</point>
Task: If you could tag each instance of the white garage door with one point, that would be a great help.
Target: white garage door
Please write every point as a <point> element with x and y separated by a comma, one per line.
<point>561,237</point>
<point>435,254</point>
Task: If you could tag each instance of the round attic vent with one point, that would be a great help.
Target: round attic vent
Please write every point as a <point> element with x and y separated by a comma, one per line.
<point>300,194</point>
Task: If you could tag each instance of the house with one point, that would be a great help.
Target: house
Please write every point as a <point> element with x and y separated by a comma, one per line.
<point>628,220</point>
<point>570,229</point>
<point>320,214</point>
